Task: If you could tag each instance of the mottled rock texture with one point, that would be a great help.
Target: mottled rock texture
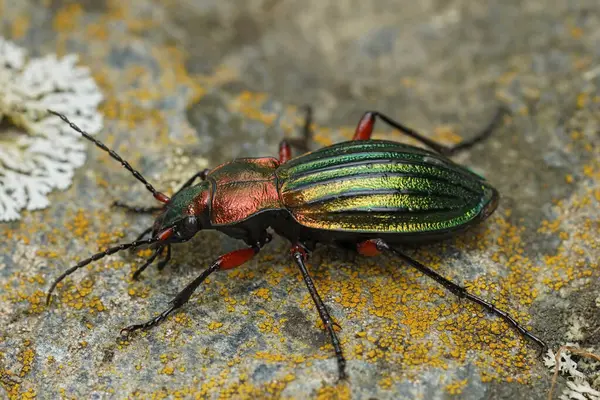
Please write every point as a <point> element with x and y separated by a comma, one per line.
<point>193,83</point>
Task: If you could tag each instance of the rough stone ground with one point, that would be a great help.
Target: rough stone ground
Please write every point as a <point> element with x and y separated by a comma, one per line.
<point>194,83</point>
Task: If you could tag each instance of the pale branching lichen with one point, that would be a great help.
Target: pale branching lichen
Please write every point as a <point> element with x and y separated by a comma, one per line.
<point>578,385</point>
<point>39,152</point>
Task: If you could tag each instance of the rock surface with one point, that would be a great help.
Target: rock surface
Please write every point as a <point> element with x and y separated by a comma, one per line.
<point>193,83</point>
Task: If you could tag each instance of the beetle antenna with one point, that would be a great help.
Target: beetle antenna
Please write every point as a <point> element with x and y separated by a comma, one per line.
<point>98,256</point>
<point>157,195</point>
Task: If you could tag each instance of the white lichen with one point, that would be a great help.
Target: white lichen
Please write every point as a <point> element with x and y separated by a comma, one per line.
<point>565,364</point>
<point>578,385</point>
<point>38,152</point>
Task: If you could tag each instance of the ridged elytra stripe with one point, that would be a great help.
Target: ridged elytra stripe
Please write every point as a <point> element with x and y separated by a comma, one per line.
<point>346,186</point>
<point>380,186</point>
<point>371,192</point>
<point>385,203</point>
<point>432,172</point>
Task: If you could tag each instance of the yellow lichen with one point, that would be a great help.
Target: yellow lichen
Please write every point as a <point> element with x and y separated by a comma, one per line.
<point>213,326</point>
<point>456,387</point>
<point>263,293</point>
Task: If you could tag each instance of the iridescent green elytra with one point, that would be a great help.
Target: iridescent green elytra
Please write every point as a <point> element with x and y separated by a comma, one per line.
<point>382,186</point>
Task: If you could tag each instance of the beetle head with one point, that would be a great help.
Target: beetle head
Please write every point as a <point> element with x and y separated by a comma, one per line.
<point>184,215</point>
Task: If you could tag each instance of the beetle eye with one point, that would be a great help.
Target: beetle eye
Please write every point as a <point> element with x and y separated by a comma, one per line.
<point>190,226</point>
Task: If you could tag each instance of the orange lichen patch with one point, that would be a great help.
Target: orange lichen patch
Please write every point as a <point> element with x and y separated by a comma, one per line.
<point>213,326</point>
<point>250,106</point>
<point>456,387</point>
<point>323,136</point>
<point>95,305</point>
<point>130,114</point>
<point>173,62</point>
<point>350,295</point>
<point>227,299</point>
<point>271,357</point>
<point>26,357</point>
<point>37,301</point>
<point>263,293</point>
<point>221,75</point>
<point>144,253</point>
<point>582,100</point>
<point>79,224</point>
<point>12,381</point>
<point>167,370</point>
<point>14,392</point>
<point>576,258</point>
<point>408,82</point>
<point>106,239</point>
<point>569,178</point>
<point>19,26</point>
<point>141,292</point>
<point>21,288</point>
<point>67,19</point>
<point>339,392</point>
<point>46,253</point>
<point>576,135</point>
<point>385,383</point>
<point>16,235</point>
<point>77,296</point>
<point>242,273</point>
<point>268,324</point>
<point>446,134</point>
<point>576,32</point>
<point>245,390</point>
<point>183,319</point>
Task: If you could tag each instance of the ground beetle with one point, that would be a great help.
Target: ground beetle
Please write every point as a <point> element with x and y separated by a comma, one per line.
<point>367,194</point>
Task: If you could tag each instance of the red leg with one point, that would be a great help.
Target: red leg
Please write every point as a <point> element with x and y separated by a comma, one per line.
<point>285,151</point>
<point>285,146</point>
<point>364,130</point>
<point>368,248</point>
<point>236,258</point>
<point>226,261</point>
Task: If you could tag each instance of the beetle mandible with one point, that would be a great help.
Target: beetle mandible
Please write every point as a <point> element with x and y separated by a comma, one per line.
<point>369,194</point>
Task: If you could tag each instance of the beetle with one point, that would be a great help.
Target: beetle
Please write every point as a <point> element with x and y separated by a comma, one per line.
<point>370,195</point>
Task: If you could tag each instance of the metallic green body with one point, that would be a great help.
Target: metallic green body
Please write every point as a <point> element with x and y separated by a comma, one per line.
<point>376,186</point>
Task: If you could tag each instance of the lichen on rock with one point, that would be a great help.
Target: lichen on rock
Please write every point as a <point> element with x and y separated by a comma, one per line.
<point>38,152</point>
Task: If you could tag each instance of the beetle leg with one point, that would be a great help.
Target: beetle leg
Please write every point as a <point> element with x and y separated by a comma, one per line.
<point>202,175</point>
<point>285,151</point>
<point>374,246</point>
<point>148,262</point>
<point>226,261</point>
<point>302,143</point>
<point>144,233</point>
<point>364,130</point>
<point>163,263</point>
<point>299,255</point>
